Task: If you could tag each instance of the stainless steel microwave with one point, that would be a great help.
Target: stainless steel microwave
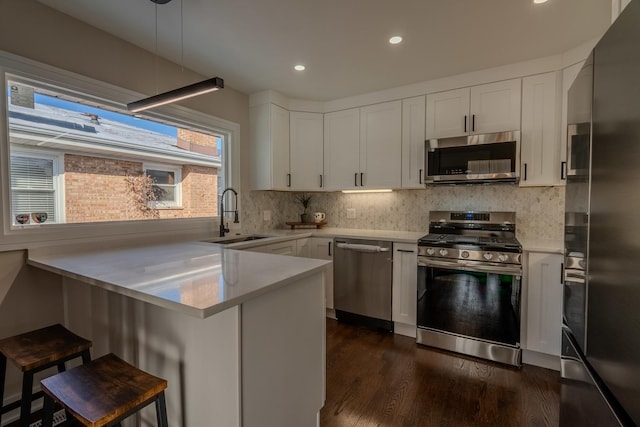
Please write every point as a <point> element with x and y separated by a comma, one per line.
<point>487,158</point>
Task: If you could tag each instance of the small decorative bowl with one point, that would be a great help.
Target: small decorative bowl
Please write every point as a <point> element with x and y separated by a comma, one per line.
<point>39,217</point>
<point>22,218</point>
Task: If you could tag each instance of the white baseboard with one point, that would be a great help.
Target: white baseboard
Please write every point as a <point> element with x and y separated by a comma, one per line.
<point>404,329</point>
<point>542,360</point>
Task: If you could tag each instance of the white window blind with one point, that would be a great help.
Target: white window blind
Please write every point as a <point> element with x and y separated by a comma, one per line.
<point>32,187</point>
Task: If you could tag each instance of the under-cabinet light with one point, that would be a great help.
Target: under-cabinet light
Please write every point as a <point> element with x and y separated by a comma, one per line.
<point>384,190</point>
<point>175,95</point>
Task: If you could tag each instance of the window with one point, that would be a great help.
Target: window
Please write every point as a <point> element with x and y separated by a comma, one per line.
<point>34,188</point>
<point>91,161</point>
<point>166,185</point>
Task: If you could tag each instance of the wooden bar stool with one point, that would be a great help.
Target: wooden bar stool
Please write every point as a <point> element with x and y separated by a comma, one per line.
<point>103,393</point>
<point>33,352</point>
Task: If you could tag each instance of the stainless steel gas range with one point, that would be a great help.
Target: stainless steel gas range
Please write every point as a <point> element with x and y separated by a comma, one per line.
<point>469,283</point>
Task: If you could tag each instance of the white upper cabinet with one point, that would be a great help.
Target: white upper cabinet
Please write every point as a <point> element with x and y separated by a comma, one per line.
<point>342,149</point>
<point>363,147</point>
<point>269,139</point>
<point>413,136</point>
<point>448,113</point>
<point>306,151</point>
<point>540,149</point>
<point>381,146</point>
<point>493,107</point>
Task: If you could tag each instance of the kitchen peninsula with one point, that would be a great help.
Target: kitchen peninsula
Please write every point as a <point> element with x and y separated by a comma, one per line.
<point>239,335</point>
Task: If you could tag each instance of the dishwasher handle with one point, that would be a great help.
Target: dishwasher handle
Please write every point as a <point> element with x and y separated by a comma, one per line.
<point>362,248</point>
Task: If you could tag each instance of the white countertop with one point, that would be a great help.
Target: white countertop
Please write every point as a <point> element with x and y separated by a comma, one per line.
<point>329,232</point>
<point>195,278</point>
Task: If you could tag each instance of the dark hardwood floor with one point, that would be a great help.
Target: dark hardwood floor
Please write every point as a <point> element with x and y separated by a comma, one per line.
<point>381,379</point>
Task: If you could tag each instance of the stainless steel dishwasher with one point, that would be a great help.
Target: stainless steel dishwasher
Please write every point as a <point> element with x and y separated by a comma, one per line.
<point>362,282</point>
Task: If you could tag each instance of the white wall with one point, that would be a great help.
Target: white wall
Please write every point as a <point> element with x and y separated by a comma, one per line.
<point>31,298</point>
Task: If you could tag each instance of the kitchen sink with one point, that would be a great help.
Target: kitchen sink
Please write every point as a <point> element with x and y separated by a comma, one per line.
<point>238,239</point>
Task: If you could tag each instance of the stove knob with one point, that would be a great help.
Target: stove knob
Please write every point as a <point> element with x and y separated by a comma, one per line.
<point>487,256</point>
<point>503,257</point>
<point>464,254</point>
<point>443,252</point>
<point>431,251</point>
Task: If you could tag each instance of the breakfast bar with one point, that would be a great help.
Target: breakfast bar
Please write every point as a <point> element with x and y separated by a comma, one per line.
<point>239,335</point>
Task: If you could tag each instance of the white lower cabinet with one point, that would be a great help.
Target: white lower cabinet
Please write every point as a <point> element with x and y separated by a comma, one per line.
<point>543,333</point>
<point>308,247</point>
<point>322,248</point>
<point>405,278</point>
<point>289,247</point>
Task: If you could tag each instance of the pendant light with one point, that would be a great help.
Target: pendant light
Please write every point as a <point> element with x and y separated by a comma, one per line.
<point>206,86</point>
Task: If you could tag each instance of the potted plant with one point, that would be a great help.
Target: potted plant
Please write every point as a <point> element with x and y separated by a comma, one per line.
<point>304,200</point>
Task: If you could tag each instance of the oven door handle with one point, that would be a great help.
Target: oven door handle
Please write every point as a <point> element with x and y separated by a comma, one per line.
<point>472,266</point>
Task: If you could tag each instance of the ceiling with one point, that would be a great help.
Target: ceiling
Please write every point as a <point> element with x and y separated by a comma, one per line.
<point>254,44</point>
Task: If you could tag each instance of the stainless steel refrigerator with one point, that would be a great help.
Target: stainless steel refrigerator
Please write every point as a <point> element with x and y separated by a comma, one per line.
<point>601,319</point>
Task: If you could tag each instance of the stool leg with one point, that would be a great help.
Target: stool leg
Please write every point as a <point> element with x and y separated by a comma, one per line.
<point>161,410</point>
<point>25,403</point>
<point>3,368</point>
<point>86,357</point>
<point>47,411</point>
<point>61,367</point>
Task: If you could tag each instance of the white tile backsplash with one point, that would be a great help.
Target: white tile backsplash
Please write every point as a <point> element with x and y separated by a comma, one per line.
<point>539,210</point>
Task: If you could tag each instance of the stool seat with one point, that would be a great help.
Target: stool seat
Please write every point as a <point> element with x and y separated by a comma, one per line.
<point>104,392</point>
<point>34,352</point>
<point>43,347</point>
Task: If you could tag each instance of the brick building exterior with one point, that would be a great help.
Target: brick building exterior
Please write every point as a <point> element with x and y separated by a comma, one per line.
<point>92,168</point>
<point>96,188</point>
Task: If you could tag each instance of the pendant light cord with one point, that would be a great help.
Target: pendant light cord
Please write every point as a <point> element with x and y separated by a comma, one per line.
<point>181,38</point>
<point>156,31</point>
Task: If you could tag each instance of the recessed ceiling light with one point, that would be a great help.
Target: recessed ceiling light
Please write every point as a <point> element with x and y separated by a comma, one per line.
<point>395,39</point>
<point>299,67</point>
<point>539,1</point>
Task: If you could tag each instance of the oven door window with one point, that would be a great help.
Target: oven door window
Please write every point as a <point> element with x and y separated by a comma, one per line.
<point>474,304</point>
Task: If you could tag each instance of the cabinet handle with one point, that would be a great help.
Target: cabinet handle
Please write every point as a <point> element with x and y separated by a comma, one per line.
<point>330,248</point>
<point>361,183</point>
<point>406,251</point>
<point>562,273</point>
<point>563,170</point>
<point>355,179</point>
<point>525,172</point>
<point>420,177</point>
<point>288,180</point>
<point>321,183</point>
<point>473,123</point>
<point>465,124</point>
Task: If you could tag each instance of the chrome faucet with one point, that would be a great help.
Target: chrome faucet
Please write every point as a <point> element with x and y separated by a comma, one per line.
<point>223,229</point>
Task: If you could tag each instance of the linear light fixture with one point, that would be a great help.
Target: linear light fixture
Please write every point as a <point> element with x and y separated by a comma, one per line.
<point>176,95</point>
<point>382,190</point>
